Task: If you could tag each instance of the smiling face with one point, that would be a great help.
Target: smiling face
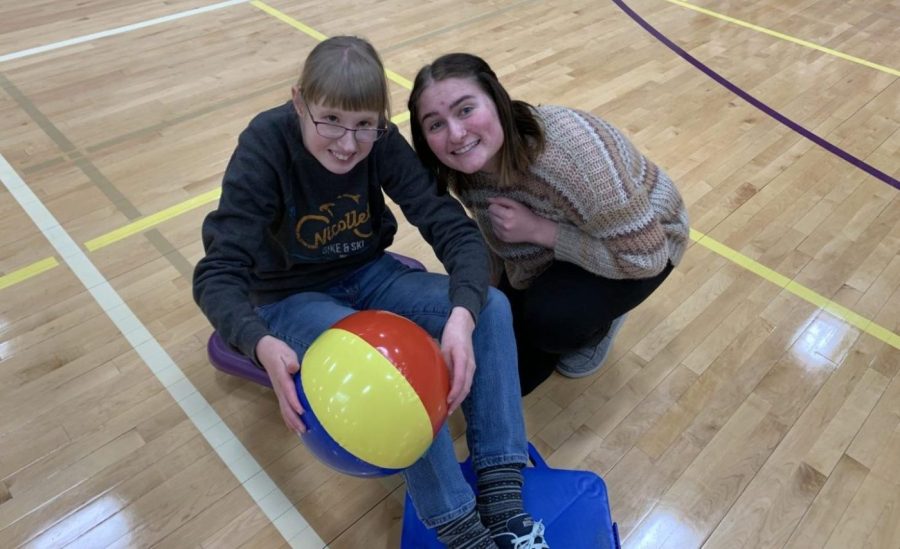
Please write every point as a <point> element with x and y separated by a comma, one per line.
<point>340,155</point>
<point>461,125</point>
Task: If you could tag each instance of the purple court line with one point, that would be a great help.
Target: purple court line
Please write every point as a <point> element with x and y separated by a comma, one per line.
<point>861,164</point>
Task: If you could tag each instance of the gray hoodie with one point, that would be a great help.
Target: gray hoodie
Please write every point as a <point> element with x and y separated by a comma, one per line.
<point>285,224</point>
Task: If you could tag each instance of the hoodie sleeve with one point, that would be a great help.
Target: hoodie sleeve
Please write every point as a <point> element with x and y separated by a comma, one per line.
<point>440,219</point>
<point>231,234</point>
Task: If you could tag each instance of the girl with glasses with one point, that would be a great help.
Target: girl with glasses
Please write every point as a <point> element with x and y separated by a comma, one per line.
<point>298,242</point>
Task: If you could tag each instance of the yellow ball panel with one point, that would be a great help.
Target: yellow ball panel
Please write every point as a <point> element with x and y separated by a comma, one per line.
<point>364,403</point>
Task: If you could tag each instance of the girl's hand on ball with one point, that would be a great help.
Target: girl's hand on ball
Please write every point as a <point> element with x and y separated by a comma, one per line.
<point>456,346</point>
<point>280,362</point>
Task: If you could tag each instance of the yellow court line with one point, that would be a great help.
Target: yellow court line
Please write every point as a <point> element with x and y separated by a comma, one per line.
<point>864,324</point>
<point>400,118</point>
<point>786,37</point>
<point>289,20</point>
<point>25,273</point>
<point>398,79</point>
<point>285,18</point>
<point>151,220</point>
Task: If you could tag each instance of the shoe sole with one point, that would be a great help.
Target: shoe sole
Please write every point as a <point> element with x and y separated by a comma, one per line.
<point>576,375</point>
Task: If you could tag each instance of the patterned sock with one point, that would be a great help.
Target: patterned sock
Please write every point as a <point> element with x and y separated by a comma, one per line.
<point>500,495</point>
<point>466,532</point>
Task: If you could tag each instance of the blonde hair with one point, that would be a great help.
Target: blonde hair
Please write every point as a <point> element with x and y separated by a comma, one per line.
<point>345,72</point>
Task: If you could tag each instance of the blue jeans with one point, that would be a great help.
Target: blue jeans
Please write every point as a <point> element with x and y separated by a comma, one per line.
<point>493,410</point>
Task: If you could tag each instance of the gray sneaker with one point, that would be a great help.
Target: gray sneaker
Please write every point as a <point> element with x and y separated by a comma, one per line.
<point>587,360</point>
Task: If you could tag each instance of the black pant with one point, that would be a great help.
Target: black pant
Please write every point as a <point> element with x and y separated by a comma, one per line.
<point>567,308</point>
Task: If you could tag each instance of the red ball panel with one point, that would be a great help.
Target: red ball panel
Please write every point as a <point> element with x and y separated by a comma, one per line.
<point>412,351</point>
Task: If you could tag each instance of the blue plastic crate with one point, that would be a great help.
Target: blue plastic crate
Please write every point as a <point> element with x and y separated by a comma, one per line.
<point>572,504</point>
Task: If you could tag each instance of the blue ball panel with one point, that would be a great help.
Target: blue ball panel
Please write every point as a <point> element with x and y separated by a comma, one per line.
<point>327,450</point>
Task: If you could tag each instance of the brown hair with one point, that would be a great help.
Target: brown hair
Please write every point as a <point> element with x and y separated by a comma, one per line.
<point>345,72</point>
<point>523,136</point>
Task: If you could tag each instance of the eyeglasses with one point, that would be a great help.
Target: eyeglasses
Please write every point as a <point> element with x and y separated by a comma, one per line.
<point>334,131</point>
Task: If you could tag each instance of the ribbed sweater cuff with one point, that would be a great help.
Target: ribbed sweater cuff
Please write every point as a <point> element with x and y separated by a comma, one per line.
<point>568,242</point>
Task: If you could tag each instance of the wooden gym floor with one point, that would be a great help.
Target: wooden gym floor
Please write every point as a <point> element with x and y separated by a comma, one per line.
<point>753,401</point>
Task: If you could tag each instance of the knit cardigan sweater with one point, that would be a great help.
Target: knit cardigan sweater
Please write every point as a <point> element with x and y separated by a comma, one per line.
<point>619,215</point>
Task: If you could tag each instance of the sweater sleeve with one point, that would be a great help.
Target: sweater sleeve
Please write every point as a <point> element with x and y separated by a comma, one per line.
<point>231,233</point>
<point>441,220</point>
<point>610,227</point>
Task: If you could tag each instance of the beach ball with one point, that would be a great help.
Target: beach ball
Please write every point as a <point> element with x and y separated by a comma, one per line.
<point>374,392</point>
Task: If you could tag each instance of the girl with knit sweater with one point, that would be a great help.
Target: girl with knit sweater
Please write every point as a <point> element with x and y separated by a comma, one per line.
<point>582,227</point>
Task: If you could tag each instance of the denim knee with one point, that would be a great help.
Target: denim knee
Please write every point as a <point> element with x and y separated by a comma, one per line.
<point>496,306</point>
<point>493,409</point>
